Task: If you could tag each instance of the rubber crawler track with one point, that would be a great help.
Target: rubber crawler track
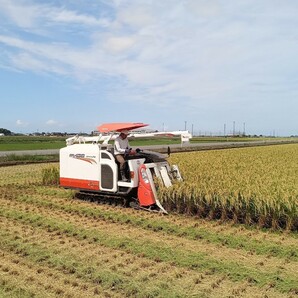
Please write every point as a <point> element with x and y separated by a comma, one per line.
<point>122,201</point>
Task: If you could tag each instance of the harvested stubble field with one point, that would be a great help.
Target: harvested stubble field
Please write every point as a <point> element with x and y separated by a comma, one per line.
<point>52,245</point>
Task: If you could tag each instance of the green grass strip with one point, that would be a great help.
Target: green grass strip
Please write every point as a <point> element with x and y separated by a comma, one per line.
<point>16,159</point>
<point>159,225</point>
<point>10,290</point>
<point>158,252</point>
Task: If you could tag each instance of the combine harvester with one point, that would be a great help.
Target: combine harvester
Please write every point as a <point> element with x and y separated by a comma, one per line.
<point>88,165</point>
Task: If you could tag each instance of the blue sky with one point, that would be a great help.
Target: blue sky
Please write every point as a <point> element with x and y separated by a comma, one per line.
<point>72,65</point>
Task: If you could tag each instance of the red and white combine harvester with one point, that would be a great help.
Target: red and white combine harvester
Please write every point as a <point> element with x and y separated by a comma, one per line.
<point>88,165</point>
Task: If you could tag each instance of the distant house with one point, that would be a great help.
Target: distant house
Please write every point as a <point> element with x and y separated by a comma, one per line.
<point>2,134</point>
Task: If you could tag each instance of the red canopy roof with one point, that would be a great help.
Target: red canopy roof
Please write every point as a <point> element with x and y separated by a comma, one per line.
<point>118,126</point>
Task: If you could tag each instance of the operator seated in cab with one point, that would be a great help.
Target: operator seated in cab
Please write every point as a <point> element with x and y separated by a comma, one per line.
<point>121,150</point>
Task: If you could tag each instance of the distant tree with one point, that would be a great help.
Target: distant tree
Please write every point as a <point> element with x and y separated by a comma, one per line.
<point>5,131</point>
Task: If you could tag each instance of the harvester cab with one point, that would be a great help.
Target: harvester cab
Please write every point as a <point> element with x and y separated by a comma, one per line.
<point>88,165</point>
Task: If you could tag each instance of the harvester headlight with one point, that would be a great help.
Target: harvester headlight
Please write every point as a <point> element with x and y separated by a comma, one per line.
<point>144,176</point>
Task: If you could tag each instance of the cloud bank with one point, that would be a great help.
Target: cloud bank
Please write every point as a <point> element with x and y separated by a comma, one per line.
<point>228,56</point>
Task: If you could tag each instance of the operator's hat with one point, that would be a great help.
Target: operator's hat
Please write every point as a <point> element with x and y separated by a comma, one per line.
<point>125,132</point>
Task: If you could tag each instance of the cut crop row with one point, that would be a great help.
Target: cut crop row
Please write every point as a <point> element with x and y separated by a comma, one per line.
<point>126,274</point>
<point>157,250</point>
<point>159,224</point>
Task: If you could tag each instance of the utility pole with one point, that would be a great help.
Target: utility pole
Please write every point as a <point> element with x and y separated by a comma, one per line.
<point>185,122</point>
<point>233,128</point>
<point>192,129</point>
<point>243,128</point>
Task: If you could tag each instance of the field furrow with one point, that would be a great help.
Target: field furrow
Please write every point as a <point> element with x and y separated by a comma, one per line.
<point>126,273</point>
<point>204,247</point>
<point>174,250</point>
<point>251,241</point>
<point>45,281</point>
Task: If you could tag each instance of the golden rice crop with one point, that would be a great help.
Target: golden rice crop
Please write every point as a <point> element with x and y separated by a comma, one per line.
<point>250,185</point>
<point>50,175</point>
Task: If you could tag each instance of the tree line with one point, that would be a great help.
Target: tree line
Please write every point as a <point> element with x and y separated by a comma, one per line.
<point>5,132</point>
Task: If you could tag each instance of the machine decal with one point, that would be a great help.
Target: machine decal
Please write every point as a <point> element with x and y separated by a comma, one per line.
<point>83,158</point>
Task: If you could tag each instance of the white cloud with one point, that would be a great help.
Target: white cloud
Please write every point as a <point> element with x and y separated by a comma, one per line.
<point>26,61</point>
<point>136,15</point>
<point>21,13</point>
<point>52,122</point>
<point>67,16</point>
<point>160,45</point>
<point>119,44</point>
<point>28,14</point>
<point>21,123</point>
<point>203,8</point>
<point>200,51</point>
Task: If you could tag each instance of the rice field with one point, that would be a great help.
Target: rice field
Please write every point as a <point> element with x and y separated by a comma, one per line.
<point>249,185</point>
<point>53,245</point>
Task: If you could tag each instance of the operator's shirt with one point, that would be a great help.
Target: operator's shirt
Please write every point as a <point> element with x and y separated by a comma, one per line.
<point>120,145</point>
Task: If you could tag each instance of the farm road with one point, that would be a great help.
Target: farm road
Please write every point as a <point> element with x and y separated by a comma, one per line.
<point>163,148</point>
